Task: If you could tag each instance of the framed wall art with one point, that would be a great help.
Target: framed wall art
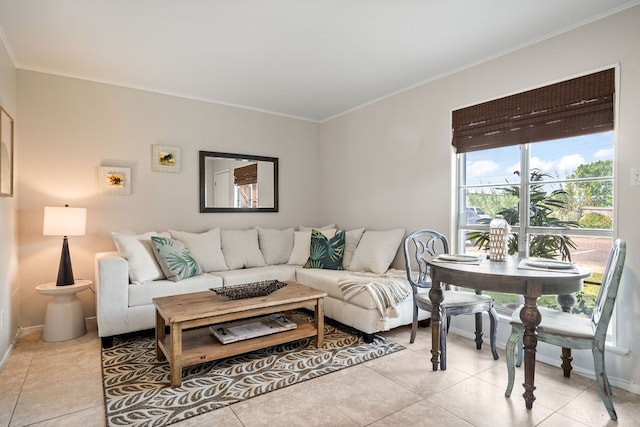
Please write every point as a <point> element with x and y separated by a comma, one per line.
<point>6,154</point>
<point>165,158</point>
<point>114,180</point>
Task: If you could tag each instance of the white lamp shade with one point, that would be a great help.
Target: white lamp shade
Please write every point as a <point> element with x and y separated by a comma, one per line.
<point>64,221</point>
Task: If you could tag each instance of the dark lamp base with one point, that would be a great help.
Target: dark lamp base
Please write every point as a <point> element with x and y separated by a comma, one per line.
<point>65,272</point>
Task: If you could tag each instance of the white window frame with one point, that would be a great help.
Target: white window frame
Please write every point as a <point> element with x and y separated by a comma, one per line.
<point>525,230</point>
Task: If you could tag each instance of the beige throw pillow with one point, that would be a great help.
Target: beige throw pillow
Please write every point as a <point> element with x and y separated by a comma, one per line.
<point>276,245</point>
<point>376,251</point>
<point>137,250</point>
<point>324,227</point>
<point>352,238</point>
<point>241,249</point>
<point>204,247</point>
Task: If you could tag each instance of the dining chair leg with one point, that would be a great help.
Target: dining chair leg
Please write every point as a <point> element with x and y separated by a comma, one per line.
<point>493,325</point>
<point>566,362</point>
<point>414,324</point>
<point>520,350</point>
<point>443,341</point>
<point>566,302</point>
<point>603,381</point>
<point>510,348</point>
<point>478,339</point>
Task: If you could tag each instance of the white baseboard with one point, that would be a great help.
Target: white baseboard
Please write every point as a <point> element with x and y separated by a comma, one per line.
<point>5,357</point>
<point>7,354</point>
<point>30,330</point>
<point>91,322</point>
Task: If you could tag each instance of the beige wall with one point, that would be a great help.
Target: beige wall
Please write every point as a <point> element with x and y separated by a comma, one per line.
<point>395,160</point>
<point>69,127</point>
<point>9,284</point>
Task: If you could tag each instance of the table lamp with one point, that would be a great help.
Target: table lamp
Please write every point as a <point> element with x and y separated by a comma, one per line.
<point>64,222</point>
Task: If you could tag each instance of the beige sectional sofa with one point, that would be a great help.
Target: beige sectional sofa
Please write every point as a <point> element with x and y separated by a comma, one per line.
<point>127,280</point>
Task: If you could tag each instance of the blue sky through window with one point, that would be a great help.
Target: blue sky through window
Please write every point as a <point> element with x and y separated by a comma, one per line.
<point>559,158</point>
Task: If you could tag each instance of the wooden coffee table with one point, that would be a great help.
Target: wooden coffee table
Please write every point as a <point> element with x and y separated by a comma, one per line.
<point>190,342</point>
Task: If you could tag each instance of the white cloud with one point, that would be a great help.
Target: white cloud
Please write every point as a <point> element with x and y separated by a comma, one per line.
<point>538,163</point>
<point>605,153</point>
<point>570,163</point>
<point>481,168</point>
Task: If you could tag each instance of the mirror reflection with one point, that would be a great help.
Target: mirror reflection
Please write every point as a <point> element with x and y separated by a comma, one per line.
<point>238,183</point>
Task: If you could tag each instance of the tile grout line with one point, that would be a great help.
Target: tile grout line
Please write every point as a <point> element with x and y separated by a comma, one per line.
<point>22,385</point>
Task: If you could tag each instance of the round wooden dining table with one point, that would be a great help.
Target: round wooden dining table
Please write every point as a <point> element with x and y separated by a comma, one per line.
<point>513,276</point>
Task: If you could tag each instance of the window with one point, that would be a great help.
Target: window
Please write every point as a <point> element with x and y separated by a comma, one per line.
<point>245,180</point>
<point>246,196</point>
<point>543,159</point>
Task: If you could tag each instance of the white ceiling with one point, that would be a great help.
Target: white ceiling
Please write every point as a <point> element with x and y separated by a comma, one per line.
<point>312,59</point>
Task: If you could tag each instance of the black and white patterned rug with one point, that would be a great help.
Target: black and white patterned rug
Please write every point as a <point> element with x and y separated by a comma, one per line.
<point>137,391</point>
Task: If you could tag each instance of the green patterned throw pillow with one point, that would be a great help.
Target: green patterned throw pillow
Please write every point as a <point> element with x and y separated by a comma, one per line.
<point>174,258</point>
<point>326,253</point>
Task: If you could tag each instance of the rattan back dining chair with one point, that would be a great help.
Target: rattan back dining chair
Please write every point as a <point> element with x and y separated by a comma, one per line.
<point>420,247</point>
<point>578,332</point>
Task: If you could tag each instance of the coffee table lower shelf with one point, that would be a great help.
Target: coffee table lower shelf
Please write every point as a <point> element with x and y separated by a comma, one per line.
<point>199,346</point>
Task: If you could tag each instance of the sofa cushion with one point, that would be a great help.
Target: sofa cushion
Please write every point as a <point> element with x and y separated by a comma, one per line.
<point>351,240</point>
<point>281,272</point>
<point>376,251</point>
<point>326,253</point>
<point>144,293</point>
<point>137,250</point>
<point>276,245</point>
<point>205,248</point>
<point>241,248</point>
<point>174,258</point>
<point>302,245</point>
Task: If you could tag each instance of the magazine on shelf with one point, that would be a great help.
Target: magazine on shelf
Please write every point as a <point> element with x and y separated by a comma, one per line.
<point>245,329</point>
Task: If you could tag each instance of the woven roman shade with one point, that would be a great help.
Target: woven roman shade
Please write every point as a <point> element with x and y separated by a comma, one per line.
<point>574,107</point>
<point>246,175</point>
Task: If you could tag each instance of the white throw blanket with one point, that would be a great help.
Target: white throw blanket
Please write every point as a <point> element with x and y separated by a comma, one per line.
<point>387,290</point>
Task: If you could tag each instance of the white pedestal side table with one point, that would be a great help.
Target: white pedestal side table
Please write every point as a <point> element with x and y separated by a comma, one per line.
<point>64,319</point>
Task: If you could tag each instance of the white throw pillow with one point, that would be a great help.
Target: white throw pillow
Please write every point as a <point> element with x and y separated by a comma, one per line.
<point>241,249</point>
<point>302,245</point>
<point>276,245</point>
<point>376,251</point>
<point>324,227</point>
<point>204,247</point>
<point>137,250</point>
<point>351,240</point>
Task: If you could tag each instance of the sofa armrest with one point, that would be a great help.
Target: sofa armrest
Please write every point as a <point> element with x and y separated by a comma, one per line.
<point>112,292</point>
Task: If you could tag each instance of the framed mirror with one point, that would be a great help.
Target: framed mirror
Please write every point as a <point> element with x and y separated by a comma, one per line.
<point>238,183</point>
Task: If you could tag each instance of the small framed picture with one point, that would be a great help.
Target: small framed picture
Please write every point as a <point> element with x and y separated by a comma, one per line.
<point>165,158</point>
<point>6,154</point>
<point>114,180</point>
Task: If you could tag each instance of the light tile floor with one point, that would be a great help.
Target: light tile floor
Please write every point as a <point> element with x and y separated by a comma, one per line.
<point>59,384</point>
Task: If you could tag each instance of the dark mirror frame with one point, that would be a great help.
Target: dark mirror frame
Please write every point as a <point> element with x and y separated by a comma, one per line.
<point>206,154</point>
